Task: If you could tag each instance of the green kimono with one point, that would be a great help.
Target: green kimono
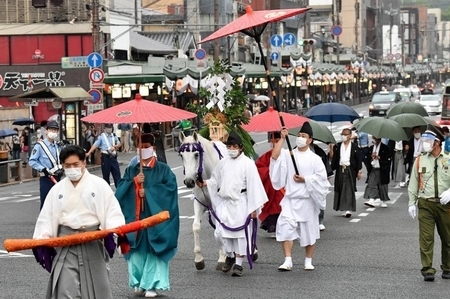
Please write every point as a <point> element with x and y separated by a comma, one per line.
<point>152,248</point>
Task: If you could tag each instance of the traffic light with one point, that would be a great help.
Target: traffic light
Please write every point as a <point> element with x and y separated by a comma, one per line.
<point>307,42</point>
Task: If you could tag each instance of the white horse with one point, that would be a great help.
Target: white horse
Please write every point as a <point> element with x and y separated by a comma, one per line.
<point>199,157</point>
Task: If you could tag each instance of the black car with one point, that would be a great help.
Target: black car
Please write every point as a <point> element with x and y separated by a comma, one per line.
<point>381,101</point>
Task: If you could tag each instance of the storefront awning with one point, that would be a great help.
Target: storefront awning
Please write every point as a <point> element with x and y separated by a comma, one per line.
<point>54,94</point>
<point>134,79</point>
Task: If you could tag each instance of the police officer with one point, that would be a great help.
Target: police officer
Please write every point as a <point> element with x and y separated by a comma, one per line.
<point>429,196</point>
<point>109,145</point>
<point>45,159</point>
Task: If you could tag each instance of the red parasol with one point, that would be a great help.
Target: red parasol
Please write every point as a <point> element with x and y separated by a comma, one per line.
<point>138,111</point>
<point>268,121</point>
<point>251,20</point>
<point>253,23</point>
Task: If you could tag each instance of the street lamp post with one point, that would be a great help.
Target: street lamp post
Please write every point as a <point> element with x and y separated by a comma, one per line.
<point>323,44</point>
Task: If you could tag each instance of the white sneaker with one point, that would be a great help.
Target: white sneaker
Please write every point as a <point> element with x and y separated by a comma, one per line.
<point>383,204</point>
<point>285,267</point>
<point>321,227</point>
<point>370,203</point>
<point>150,294</point>
<point>309,267</point>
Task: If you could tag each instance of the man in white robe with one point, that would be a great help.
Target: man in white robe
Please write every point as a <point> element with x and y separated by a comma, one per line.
<point>236,193</point>
<point>80,202</point>
<point>305,195</point>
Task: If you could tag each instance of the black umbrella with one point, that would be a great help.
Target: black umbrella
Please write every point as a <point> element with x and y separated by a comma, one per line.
<point>23,121</point>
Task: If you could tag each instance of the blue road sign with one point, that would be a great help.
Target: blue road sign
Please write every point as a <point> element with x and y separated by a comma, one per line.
<point>96,96</point>
<point>289,39</point>
<point>336,30</point>
<point>276,40</point>
<point>95,60</point>
<point>200,54</point>
<point>274,56</point>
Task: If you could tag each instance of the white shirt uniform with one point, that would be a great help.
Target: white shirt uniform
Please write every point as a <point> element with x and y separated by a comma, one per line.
<point>302,202</point>
<point>91,202</point>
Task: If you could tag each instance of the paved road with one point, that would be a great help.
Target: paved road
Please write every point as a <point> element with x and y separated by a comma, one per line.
<point>374,254</point>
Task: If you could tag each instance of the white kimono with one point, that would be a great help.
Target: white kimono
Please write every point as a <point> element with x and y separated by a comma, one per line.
<point>236,191</point>
<point>91,202</point>
<point>302,201</point>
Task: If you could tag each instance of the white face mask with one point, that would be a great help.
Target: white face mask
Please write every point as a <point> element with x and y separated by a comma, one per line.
<point>344,138</point>
<point>147,153</point>
<point>74,174</point>
<point>300,142</point>
<point>52,135</point>
<point>427,147</point>
<point>233,153</point>
<point>417,135</point>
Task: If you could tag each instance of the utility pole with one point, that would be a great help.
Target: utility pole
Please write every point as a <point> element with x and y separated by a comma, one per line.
<point>402,32</point>
<point>338,22</point>
<point>356,26</point>
<point>216,27</point>
<point>136,12</point>
<point>95,26</point>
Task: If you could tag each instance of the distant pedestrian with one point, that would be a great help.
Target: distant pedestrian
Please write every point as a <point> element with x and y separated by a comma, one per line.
<point>109,144</point>
<point>379,178</point>
<point>346,161</point>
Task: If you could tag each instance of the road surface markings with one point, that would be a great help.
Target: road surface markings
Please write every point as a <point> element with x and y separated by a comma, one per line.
<point>363,214</point>
<point>6,254</point>
<point>355,220</point>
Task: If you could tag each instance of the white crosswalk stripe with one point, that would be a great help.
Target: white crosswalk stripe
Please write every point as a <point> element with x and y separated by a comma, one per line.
<point>5,254</point>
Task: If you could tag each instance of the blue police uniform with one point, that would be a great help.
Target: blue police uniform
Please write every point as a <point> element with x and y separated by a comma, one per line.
<point>40,160</point>
<point>110,165</point>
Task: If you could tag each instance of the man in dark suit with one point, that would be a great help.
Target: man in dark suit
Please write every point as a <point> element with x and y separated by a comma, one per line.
<point>379,178</point>
<point>346,160</point>
<point>415,148</point>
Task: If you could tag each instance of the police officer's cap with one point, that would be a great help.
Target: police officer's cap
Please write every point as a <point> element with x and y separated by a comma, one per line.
<point>432,130</point>
<point>52,124</point>
<point>233,139</point>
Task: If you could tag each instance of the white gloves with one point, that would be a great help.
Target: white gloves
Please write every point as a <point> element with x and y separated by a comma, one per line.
<point>412,211</point>
<point>445,197</point>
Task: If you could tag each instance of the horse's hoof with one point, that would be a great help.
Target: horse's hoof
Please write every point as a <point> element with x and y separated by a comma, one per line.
<point>219,266</point>
<point>255,256</point>
<point>200,265</point>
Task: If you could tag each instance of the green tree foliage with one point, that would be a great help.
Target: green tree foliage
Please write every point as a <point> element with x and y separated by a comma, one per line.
<point>235,103</point>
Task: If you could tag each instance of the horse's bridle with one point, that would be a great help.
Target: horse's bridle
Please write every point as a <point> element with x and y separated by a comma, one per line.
<point>196,147</point>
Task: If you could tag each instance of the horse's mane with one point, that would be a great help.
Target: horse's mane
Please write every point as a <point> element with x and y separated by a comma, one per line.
<point>210,152</point>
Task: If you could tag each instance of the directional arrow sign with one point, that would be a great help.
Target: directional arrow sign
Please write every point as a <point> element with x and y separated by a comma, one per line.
<point>95,60</point>
<point>276,40</point>
<point>274,56</point>
<point>289,39</point>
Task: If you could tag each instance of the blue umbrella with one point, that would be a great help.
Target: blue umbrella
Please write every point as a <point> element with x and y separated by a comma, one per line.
<point>332,112</point>
<point>23,121</point>
<point>7,132</point>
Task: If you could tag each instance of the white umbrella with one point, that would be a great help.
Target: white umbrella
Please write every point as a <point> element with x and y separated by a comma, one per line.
<point>261,98</point>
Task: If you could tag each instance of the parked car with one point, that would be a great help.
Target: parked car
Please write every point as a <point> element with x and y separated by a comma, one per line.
<point>432,103</point>
<point>381,101</point>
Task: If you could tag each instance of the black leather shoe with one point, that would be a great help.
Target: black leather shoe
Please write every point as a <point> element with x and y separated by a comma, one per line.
<point>446,275</point>
<point>229,262</point>
<point>428,277</point>
<point>237,271</point>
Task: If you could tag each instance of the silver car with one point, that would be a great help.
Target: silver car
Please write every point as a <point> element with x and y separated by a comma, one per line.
<point>432,103</point>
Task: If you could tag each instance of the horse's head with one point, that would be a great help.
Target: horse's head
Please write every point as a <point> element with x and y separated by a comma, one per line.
<point>191,153</point>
